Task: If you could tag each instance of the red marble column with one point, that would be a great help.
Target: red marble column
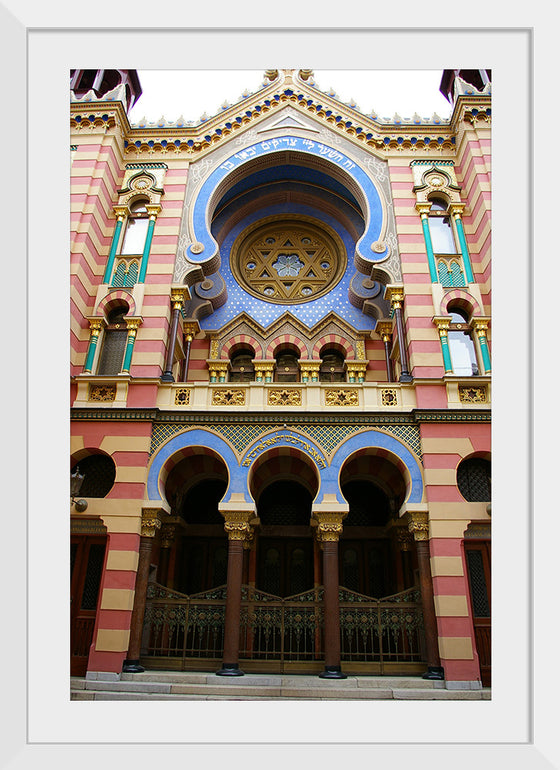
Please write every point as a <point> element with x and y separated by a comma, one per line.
<point>328,531</point>
<point>419,526</point>
<point>240,532</point>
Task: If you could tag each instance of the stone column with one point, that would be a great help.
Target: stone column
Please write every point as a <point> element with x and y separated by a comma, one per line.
<point>95,326</point>
<point>239,527</point>
<point>132,325</point>
<point>456,211</point>
<point>396,296</point>
<point>418,525</point>
<point>481,326</point>
<point>423,209</point>
<point>385,331</point>
<point>442,323</point>
<point>153,211</point>
<point>151,523</point>
<point>120,213</point>
<point>328,528</point>
<point>177,300</point>
<point>190,330</point>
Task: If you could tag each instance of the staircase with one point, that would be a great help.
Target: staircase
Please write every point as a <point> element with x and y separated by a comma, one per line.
<point>171,685</point>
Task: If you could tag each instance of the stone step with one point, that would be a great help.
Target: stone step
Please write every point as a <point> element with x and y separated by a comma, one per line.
<point>206,686</point>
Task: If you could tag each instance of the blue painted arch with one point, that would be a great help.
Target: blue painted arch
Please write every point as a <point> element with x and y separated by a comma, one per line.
<point>207,440</point>
<point>200,213</point>
<point>374,439</point>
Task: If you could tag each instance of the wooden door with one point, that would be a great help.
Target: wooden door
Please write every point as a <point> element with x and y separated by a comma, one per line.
<point>285,565</point>
<point>87,556</point>
<point>478,569</point>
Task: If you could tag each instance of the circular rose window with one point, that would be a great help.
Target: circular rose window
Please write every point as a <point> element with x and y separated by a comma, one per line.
<point>288,260</point>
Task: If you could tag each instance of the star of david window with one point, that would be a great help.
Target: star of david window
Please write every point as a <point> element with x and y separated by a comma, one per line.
<point>288,261</point>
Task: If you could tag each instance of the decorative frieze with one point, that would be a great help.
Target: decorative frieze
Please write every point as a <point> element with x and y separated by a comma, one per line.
<point>229,397</point>
<point>389,397</point>
<point>469,394</point>
<point>102,392</point>
<point>182,396</point>
<point>284,397</point>
<point>341,397</point>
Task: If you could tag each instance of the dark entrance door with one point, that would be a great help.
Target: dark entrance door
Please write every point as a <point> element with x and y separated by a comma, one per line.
<point>285,565</point>
<point>285,544</point>
<point>87,555</point>
<point>478,567</point>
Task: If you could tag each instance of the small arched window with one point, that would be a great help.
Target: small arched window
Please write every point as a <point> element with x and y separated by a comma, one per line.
<point>441,229</point>
<point>473,480</point>
<point>461,345</point>
<point>241,366</point>
<point>136,229</point>
<point>332,366</point>
<point>99,473</point>
<point>287,366</point>
<point>114,342</point>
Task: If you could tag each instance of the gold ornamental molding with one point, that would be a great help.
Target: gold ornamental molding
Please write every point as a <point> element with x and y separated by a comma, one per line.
<point>284,397</point>
<point>182,396</point>
<point>341,397</point>
<point>102,392</point>
<point>228,397</point>
<point>473,394</point>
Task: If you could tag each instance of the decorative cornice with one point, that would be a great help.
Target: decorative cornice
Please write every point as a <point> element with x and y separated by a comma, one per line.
<point>410,418</point>
<point>412,135</point>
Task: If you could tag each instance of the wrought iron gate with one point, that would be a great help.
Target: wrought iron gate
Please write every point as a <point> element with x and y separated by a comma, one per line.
<point>277,633</point>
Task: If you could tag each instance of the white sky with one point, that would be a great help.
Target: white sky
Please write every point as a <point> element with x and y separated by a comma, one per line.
<point>173,94</point>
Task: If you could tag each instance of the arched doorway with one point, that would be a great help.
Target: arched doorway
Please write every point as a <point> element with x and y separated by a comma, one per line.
<point>371,559</point>
<point>285,547</point>
<point>284,483</point>
<point>194,487</point>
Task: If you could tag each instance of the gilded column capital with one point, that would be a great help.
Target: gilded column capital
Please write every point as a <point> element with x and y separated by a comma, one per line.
<point>240,525</point>
<point>328,525</point>
<point>151,521</point>
<point>219,366</point>
<point>394,293</point>
<point>133,323</point>
<point>418,525</point>
<point>263,366</point>
<point>480,325</point>
<point>95,326</point>
<point>190,329</point>
<point>120,212</point>
<point>356,367</point>
<point>423,209</point>
<point>178,296</point>
<point>385,329</point>
<point>310,367</point>
<point>442,322</point>
<point>153,210</point>
<point>457,209</point>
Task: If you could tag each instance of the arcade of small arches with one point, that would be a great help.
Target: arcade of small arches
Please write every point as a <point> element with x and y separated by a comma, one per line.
<point>283,523</point>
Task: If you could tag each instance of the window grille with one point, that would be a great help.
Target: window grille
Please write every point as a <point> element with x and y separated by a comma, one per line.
<point>93,577</point>
<point>479,589</point>
<point>99,472</point>
<point>473,480</point>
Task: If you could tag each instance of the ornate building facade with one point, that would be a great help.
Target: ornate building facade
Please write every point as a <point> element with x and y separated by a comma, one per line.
<point>280,385</point>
